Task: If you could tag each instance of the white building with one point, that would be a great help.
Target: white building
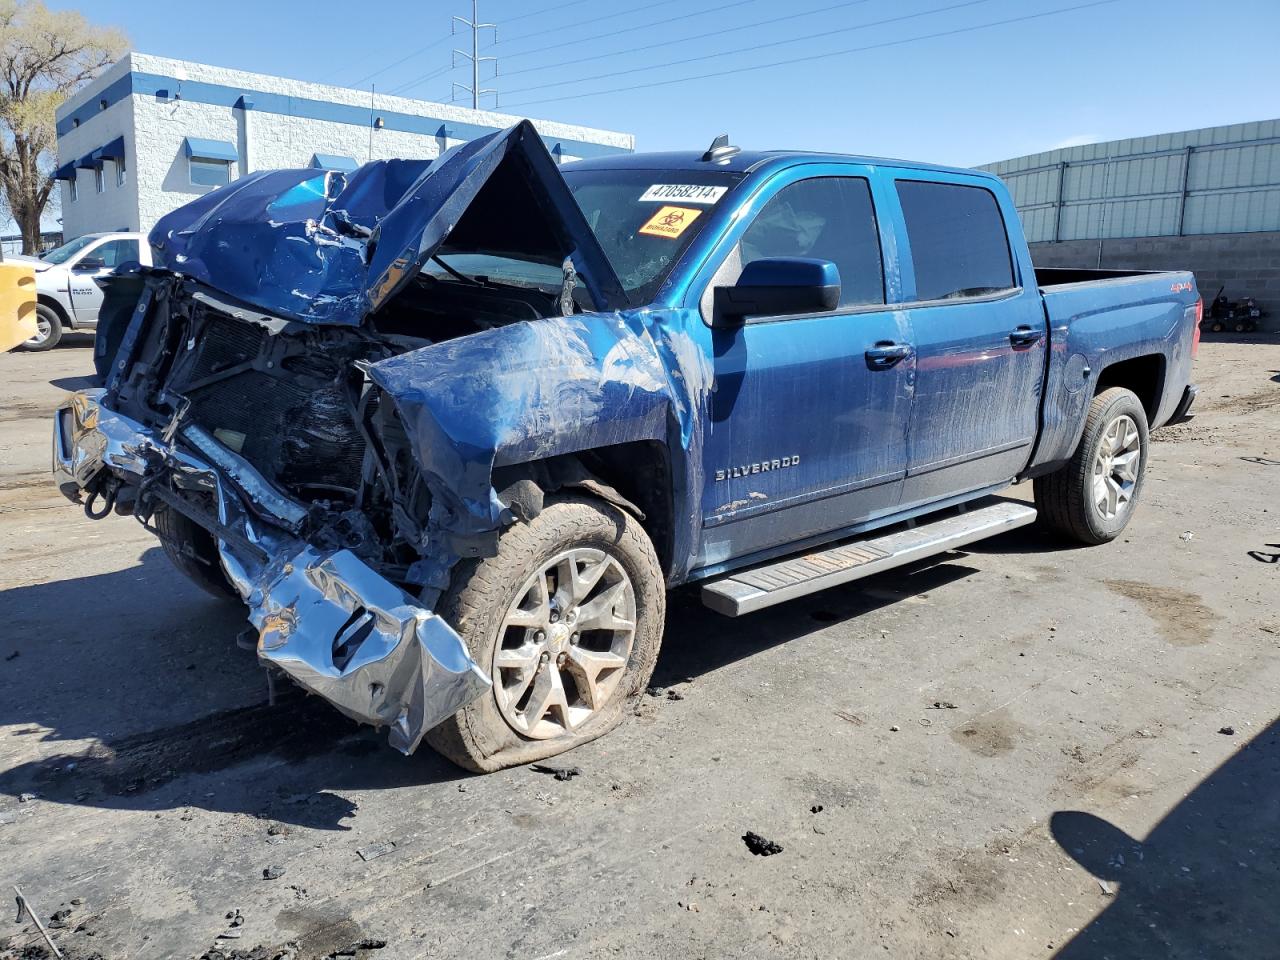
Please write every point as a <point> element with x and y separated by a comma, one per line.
<point>151,134</point>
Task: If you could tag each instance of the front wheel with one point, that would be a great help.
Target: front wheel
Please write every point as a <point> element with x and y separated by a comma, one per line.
<point>1092,497</point>
<point>566,619</point>
<point>48,330</point>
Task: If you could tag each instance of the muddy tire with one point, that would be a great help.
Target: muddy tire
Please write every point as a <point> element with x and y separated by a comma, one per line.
<point>1092,497</point>
<point>566,620</point>
<point>48,330</point>
<point>192,550</point>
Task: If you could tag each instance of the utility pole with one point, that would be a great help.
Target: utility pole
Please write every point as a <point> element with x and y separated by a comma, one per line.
<point>474,56</point>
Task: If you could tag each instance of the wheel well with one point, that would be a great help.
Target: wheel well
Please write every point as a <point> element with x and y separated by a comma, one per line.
<point>1143,375</point>
<point>55,306</point>
<point>638,472</point>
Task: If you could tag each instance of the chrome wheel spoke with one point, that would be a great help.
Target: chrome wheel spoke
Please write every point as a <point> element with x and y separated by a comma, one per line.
<point>547,696</point>
<point>599,613</point>
<point>1125,466</point>
<point>533,607</point>
<point>578,577</point>
<point>595,674</point>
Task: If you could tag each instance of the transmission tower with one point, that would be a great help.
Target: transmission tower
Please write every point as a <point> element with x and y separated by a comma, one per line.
<point>475,26</point>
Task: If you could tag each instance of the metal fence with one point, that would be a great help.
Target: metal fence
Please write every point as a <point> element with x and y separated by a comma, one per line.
<point>1215,180</point>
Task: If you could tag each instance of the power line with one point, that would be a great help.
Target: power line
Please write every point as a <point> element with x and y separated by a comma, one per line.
<point>555,6</point>
<point>614,33</point>
<point>696,36</point>
<point>821,56</point>
<point>382,70</point>
<point>420,80</point>
<point>759,46</point>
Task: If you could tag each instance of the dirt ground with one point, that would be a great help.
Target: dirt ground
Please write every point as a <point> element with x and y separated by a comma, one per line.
<point>1025,750</point>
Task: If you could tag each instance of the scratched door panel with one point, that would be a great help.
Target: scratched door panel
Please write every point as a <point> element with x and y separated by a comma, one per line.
<point>980,340</point>
<point>804,437</point>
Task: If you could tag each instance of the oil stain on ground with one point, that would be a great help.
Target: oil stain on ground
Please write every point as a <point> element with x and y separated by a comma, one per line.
<point>1183,618</point>
<point>989,735</point>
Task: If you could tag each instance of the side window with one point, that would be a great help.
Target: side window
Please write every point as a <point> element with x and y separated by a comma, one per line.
<point>828,218</point>
<point>115,252</point>
<point>959,244</point>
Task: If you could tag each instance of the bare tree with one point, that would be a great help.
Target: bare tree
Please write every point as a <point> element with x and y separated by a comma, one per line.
<point>44,56</point>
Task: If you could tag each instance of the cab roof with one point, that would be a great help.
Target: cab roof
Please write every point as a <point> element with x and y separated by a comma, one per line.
<point>747,161</point>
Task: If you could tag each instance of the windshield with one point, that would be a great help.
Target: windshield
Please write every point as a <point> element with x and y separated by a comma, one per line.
<point>645,219</point>
<point>68,250</point>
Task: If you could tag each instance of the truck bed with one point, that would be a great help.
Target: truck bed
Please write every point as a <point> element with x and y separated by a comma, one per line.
<point>1060,276</point>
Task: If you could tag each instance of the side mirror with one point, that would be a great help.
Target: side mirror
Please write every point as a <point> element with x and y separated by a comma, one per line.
<point>89,264</point>
<point>776,286</point>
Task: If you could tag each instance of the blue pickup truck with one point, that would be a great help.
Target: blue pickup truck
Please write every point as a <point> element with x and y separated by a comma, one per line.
<point>450,430</point>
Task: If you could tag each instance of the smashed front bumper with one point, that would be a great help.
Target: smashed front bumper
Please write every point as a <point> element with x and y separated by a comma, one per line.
<point>325,618</point>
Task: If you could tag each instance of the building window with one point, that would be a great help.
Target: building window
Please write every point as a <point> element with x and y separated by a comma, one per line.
<point>99,180</point>
<point>209,173</point>
<point>122,175</point>
<point>73,189</point>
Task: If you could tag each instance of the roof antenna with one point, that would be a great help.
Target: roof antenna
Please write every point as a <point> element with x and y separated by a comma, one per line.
<point>721,150</point>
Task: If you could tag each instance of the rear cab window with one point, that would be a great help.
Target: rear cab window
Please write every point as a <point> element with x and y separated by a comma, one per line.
<point>958,239</point>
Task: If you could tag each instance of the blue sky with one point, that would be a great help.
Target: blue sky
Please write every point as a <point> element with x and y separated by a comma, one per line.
<point>1117,69</point>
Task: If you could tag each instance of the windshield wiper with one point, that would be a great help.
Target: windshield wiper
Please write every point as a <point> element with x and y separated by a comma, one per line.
<point>455,274</point>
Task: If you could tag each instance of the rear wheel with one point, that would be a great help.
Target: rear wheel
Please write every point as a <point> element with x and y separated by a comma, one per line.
<point>48,329</point>
<point>193,551</point>
<point>566,619</point>
<point>1092,497</point>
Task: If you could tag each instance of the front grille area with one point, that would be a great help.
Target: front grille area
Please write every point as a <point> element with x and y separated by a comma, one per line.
<point>293,422</point>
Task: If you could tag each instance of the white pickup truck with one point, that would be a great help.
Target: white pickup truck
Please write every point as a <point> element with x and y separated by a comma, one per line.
<point>67,298</point>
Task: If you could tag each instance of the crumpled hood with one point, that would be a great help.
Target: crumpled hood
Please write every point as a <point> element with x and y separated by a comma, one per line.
<point>320,247</point>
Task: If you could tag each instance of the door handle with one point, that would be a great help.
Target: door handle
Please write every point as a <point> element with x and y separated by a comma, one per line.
<point>886,354</point>
<point>1025,336</point>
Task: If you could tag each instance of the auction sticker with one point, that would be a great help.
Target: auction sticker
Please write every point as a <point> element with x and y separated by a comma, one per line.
<point>670,222</point>
<point>683,193</point>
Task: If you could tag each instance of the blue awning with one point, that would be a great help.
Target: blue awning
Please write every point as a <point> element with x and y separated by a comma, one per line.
<point>112,151</point>
<point>65,172</point>
<point>210,149</point>
<point>87,162</point>
<point>332,161</point>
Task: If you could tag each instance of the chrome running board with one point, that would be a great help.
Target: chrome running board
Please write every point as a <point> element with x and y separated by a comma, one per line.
<point>745,591</point>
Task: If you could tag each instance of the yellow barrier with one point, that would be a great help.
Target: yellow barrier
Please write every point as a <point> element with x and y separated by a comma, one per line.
<point>17,304</point>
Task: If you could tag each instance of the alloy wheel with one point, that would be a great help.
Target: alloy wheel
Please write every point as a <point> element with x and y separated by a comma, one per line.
<point>564,644</point>
<point>1115,468</point>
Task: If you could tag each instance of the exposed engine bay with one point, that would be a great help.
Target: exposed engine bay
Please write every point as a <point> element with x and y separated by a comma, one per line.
<point>296,403</point>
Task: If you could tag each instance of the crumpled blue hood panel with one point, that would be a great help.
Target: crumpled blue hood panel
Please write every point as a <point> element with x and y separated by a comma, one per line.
<point>296,243</point>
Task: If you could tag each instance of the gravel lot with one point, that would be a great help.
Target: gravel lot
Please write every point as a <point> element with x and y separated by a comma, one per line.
<point>1021,751</point>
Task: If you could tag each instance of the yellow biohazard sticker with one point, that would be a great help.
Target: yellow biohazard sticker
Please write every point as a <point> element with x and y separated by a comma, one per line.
<point>670,222</point>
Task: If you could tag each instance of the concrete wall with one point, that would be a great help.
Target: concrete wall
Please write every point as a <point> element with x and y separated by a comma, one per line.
<point>1248,264</point>
<point>274,122</point>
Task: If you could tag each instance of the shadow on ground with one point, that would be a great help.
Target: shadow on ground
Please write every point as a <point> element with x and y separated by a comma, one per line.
<point>1204,883</point>
<point>144,669</point>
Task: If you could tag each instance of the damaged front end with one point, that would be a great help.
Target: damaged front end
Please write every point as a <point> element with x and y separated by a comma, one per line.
<point>244,400</point>
<point>324,617</point>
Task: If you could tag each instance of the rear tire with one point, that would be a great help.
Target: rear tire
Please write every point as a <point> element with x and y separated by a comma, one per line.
<point>48,330</point>
<point>193,551</point>
<point>566,620</point>
<point>1092,497</point>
